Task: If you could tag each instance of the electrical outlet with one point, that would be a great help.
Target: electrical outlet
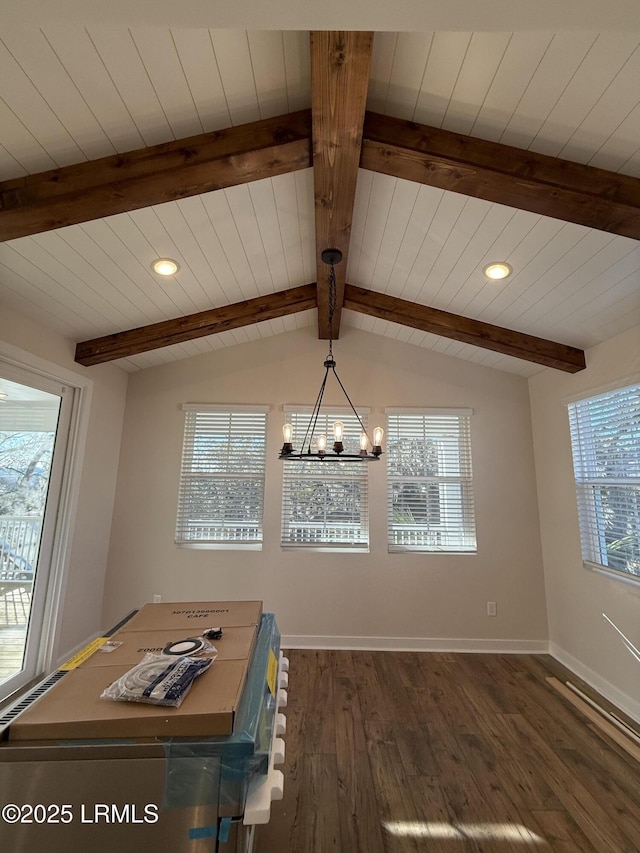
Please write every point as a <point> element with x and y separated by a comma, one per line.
<point>492,608</point>
<point>157,599</point>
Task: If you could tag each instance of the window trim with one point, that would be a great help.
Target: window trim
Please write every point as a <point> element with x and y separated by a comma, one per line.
<point>21,363</point>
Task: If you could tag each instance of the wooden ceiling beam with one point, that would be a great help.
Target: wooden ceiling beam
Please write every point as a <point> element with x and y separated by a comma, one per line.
<point>340,64</point>
<point>500,173</point>
<point>475,332</point>
<point>168,332</point>
<point>154,175</point>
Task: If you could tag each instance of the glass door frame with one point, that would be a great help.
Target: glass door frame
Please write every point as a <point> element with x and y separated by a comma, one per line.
<point>41,646</point>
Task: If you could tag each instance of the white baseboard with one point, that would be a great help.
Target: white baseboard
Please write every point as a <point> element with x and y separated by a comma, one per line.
<point>625,703</point>
<point>415,644</point>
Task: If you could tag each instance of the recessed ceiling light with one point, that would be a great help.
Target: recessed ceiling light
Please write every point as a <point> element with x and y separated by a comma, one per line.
<point>498,270</point>
<point>165,266</point>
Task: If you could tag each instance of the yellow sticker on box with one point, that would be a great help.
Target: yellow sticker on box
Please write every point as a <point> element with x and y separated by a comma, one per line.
<point>85,653</point>
<point>272,671</point>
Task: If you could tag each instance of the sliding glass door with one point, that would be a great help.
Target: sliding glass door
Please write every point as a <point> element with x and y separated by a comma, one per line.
<point>34,429</point>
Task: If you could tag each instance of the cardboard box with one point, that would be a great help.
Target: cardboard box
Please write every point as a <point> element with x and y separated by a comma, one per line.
<point>194,616</point>
<point>235,644</point>
<point>73,710</point>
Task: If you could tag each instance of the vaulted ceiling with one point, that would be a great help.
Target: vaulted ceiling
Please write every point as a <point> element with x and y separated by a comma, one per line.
<point>244,154</point>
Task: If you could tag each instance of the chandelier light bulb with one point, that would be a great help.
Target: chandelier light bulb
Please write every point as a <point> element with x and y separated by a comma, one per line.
<point>363,441</point>
<point>378,435</point>
<point>287,437</point>
<point>322,443</point>
<point>338,434</point>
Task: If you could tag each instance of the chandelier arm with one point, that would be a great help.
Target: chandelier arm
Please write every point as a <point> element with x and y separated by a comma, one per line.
<point>353,408</point>
<point>315,413</point>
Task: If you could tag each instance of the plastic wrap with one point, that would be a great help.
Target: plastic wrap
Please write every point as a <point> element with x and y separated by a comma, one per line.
<point>205,770</point>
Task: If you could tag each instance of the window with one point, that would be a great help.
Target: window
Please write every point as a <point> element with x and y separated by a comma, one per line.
<point>325,504</point>
<point>605,439</point>
<point>221,496</point>
<point>429,487</point>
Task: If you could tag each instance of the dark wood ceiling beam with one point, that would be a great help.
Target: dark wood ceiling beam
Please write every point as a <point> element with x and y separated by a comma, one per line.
<point>475,332</point>
<point>149,176</point>
<point>339,79</point>
<point>500,173</point>
<point>168,332</point>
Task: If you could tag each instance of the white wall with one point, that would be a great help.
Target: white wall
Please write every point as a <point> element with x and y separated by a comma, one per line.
<point>321,595</point>
<point>80,616</point>
<point>576,597</point>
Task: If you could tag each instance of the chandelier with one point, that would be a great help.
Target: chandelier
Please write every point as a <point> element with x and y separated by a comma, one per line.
<point>310,449</point>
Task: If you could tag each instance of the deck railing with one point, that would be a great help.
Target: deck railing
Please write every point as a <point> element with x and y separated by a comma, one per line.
<point>19,543</point>
<point>314,533</point>
<point>246,530</point>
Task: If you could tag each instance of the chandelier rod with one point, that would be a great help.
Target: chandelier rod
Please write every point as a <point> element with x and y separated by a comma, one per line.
<point>332,305</point>
<point>332,309</point>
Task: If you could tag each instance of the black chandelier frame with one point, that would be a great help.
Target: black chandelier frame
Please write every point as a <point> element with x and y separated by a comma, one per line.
<point>330,257</point>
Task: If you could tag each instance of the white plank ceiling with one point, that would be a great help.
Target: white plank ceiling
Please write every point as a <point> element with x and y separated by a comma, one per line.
<point>70,94</point>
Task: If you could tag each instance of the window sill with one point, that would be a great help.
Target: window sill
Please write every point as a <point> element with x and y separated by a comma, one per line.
<point>417,549</point>
<point>613,574</point>
<point>325,549</point>
<point>220,546</point>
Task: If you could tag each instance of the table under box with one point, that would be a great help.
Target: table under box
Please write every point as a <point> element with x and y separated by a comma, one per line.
<point>176,778</point>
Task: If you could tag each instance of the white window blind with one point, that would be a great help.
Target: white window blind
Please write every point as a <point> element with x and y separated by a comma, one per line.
<point>221,492</point>
<point>429,484</point>
<point>325,504</point>
<point>605,440</point>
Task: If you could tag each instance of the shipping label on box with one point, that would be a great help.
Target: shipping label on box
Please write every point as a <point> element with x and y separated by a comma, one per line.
<point>129,647</point>
<point>194,616</point>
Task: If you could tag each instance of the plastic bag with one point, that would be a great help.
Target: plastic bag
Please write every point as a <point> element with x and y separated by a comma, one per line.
<point>158,680</point>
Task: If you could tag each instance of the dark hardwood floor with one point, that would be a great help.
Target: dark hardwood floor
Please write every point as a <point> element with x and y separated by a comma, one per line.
<point>389,752</point>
